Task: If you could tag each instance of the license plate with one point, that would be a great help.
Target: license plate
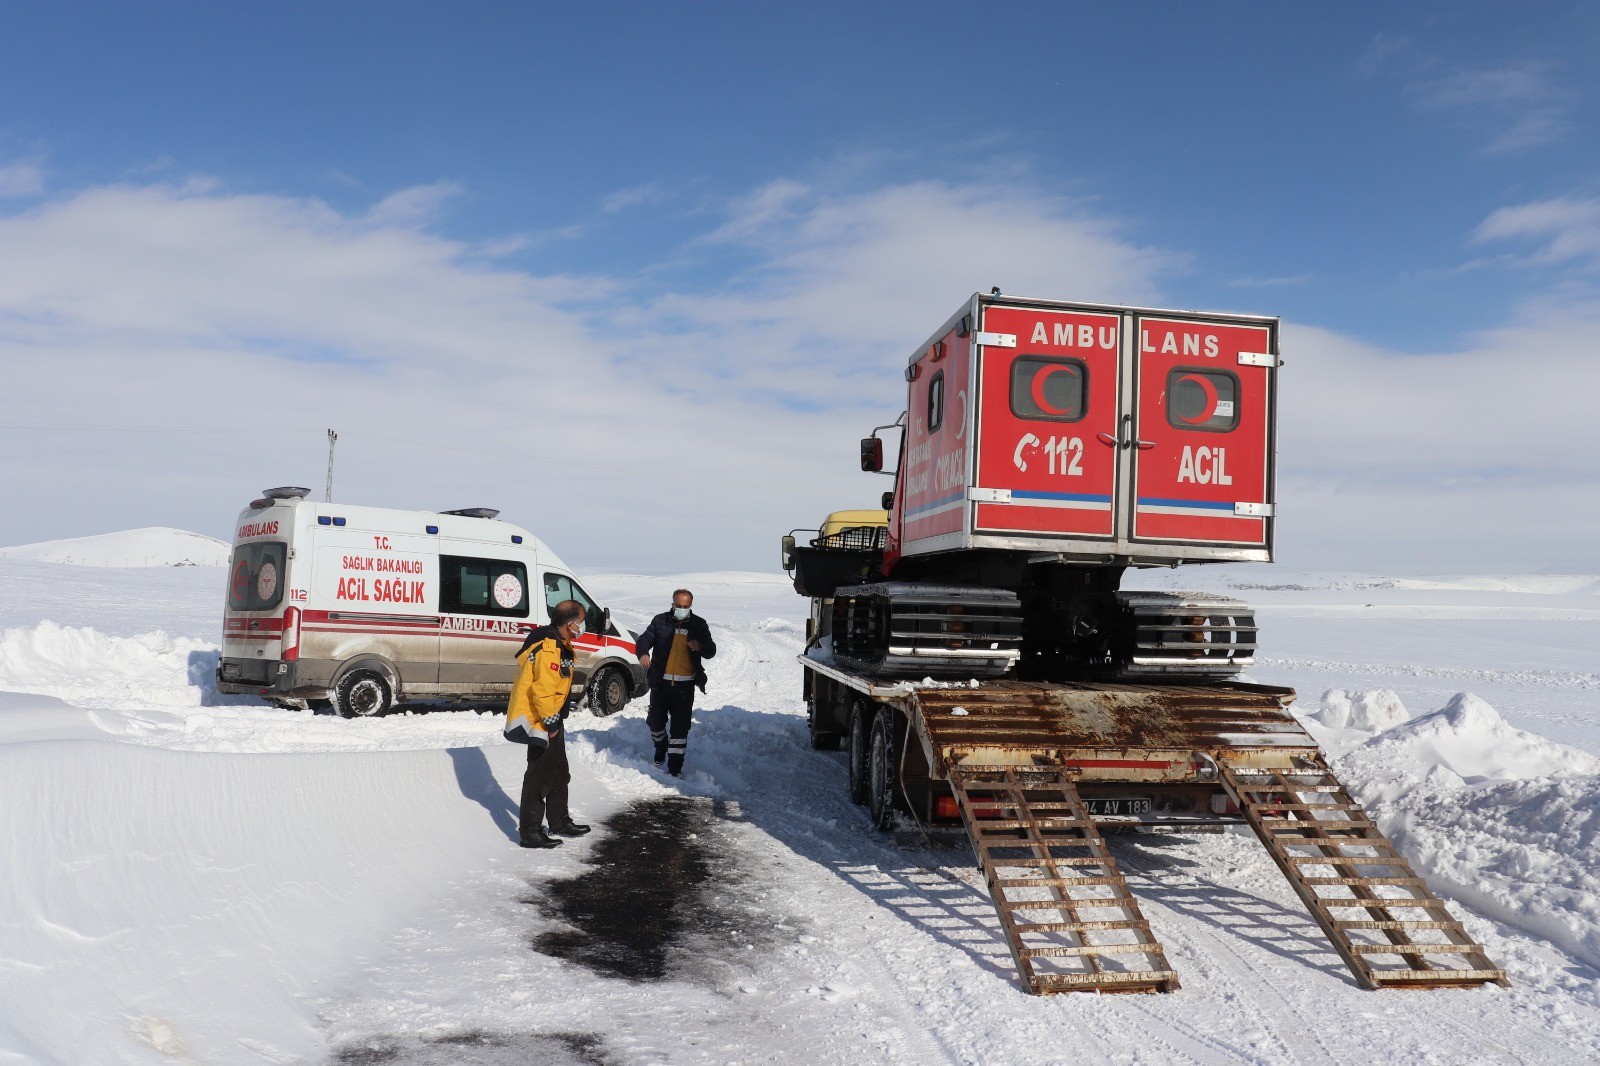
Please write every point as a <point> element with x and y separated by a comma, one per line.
<point>1118,806</point>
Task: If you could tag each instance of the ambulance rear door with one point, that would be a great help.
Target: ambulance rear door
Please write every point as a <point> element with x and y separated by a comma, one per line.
<point>1048,401</point>
<point>1202,436</point>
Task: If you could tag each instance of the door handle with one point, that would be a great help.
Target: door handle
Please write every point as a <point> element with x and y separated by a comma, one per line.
<point>1107,439</point>
<point>1144,445</point>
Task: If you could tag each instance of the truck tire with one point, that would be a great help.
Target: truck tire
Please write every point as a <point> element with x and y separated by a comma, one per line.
<point>861,715</point>
<point>883,762</point>
<point>821,739</point>
<point>607,692</point>
<point>363,694</point>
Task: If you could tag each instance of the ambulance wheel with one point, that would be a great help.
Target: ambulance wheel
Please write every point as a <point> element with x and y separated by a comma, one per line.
<point>860,751</point>
<point>608,692</point>
<point>881,773</point>
<point>363,694</point>
<point>821,739</point>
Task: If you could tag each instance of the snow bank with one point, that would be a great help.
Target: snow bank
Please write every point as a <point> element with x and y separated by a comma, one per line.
<point>87,667</point>
<point>1503,819</point>
<point>151,546</point>
<point>204,902</point>
<point>1372,711</point>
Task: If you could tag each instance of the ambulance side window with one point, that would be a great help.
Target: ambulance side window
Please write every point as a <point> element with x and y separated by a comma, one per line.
<point>482,586</point>
<point>558,587</point>
<point>1047,388</point>
<point>1203,399</point>
<point>256,581</point>
<point>936,402</point>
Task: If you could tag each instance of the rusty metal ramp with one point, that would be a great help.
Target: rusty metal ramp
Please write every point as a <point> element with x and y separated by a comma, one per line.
<point>1065,908</point>
<point>1120,732</point>
<point>1379,915</point>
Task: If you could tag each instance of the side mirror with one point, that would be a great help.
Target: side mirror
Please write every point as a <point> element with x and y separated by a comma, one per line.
<point>605,619</point>
<point>888,501</point>
<point>788,552</point>
<point>871,454</point>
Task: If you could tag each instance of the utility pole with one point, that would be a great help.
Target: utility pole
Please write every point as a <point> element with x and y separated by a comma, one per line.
<point>332,438</point>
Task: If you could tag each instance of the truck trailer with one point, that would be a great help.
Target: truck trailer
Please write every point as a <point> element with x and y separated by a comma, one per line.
<point>971,646</point>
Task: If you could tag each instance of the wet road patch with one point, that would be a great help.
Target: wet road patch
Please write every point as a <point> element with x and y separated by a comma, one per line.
<point>477,1047</point>
<point>665,894</point>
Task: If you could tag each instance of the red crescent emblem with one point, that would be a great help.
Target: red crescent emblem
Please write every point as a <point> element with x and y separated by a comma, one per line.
<point>1211,398</point>
<point>1036,389</point>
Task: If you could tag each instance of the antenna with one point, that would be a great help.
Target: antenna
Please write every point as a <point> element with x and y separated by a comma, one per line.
<point>332,438</point>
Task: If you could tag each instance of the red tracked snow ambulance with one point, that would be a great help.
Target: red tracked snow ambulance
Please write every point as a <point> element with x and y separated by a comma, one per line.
<point>1047,447</point>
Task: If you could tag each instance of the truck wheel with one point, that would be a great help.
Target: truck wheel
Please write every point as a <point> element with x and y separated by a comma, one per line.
<point>363,694</point>
<point>607,692</point>
<point>861,715</point>
<point>821,739</point>
<point>881,776</point>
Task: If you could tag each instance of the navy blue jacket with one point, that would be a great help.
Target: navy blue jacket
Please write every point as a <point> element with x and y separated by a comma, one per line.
<point>656,642</point>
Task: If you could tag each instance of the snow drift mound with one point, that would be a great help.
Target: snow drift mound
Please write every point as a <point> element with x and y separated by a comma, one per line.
<point>85,667</point>
<point>151,546</point>
<point>1371,711</point>
<point>1503,819</point>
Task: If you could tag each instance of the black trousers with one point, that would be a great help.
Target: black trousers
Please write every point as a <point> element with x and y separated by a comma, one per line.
<point>671,708</point>
<point>544,786</point>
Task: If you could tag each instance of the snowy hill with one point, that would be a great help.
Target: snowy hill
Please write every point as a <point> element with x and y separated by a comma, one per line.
<point>193,878</point>
<point>150,546</point>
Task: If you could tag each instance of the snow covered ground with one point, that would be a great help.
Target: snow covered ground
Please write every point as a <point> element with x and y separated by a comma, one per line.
<point>190,878</point>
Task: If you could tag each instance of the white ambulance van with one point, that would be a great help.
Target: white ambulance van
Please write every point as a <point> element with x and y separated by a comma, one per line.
<point>364,608</point>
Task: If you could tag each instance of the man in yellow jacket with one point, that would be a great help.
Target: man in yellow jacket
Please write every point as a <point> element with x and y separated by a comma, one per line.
<point>534,717</point>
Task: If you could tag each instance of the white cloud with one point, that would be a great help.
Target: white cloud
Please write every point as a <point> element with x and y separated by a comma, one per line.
<point>20,179</point>
<point>415,205</point>
<point>1515,107</point>
<point>623,199</point>
<point>1472,459</point>
<point>1565,229</point>
<point>177,348</point>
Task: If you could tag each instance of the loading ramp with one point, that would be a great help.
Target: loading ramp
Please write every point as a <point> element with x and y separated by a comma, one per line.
<point>1379,915</point>
<point>1063,904</point>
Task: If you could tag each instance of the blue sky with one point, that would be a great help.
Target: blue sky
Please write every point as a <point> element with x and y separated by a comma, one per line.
<point>453,231</point>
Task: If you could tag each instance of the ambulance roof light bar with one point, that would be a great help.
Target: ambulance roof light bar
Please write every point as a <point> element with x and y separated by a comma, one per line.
<point>474,512</point>
<point>285,492</point>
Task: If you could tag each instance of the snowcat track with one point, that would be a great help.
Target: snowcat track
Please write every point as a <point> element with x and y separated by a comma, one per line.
<point>1068,917</point>
<point>895,629</point>
<point>1307,821</point>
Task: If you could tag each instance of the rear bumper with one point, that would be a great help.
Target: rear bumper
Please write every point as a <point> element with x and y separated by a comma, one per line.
<point>270,678</point>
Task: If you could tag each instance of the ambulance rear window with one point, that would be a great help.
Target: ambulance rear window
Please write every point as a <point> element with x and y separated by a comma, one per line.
<point>1049,389</point>
<point>482,586</point>
<point>256,581</point>
<point>1202,399</point>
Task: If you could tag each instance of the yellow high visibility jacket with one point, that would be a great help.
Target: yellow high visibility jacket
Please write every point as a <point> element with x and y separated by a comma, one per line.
<point>544,681</point>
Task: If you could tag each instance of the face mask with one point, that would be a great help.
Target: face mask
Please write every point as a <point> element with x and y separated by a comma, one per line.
<point>680,613</point>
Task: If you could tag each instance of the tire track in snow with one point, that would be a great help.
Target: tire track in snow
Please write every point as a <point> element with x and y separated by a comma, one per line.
<point>1537,678</point>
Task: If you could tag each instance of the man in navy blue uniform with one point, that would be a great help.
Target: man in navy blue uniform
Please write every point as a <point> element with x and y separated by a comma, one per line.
<point>671,650</point>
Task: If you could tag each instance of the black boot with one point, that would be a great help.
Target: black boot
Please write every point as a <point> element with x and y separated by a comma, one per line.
<point>675,764</point>
<point>539,839</point>
<point>569,828</point>
<point>661,752</point>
